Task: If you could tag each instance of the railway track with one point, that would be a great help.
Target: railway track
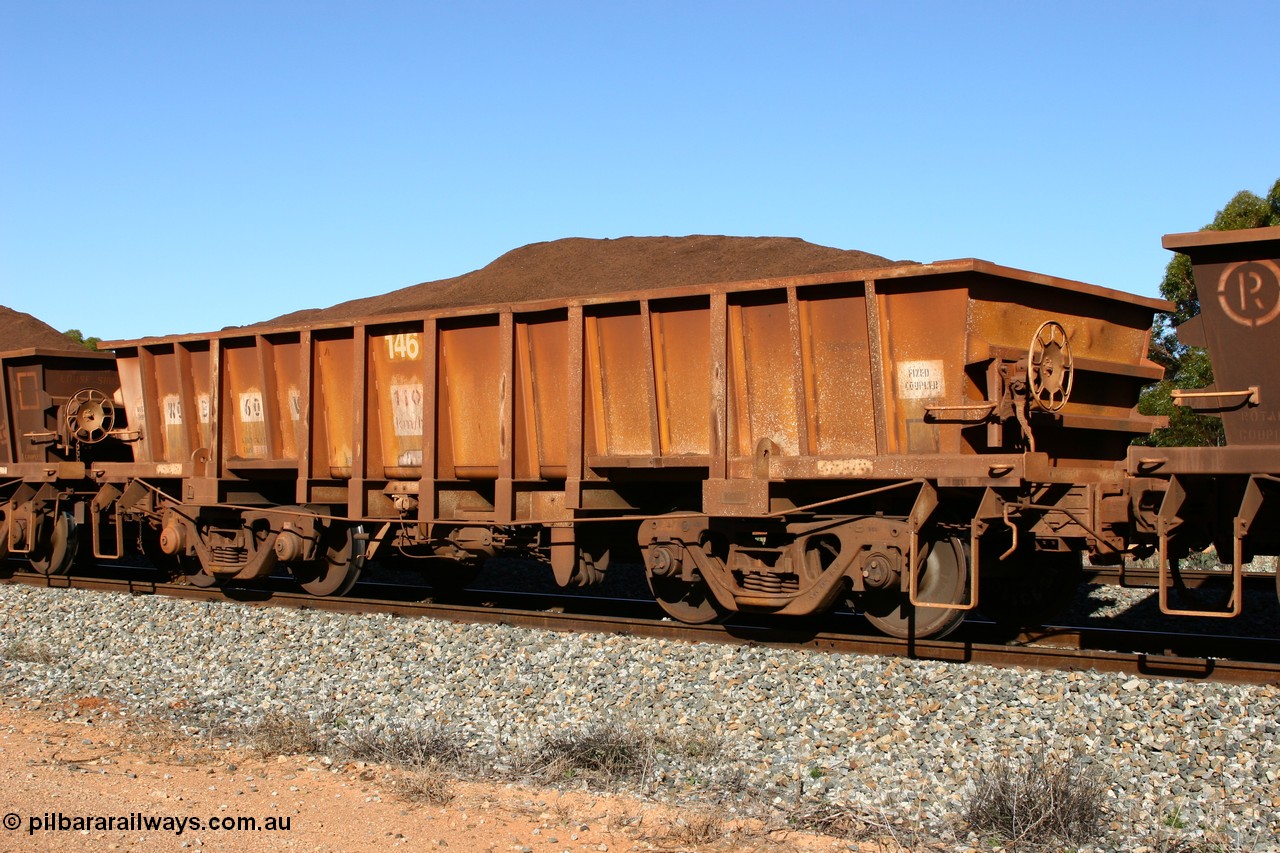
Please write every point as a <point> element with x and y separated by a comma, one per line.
<point>1240,660</point>
<point>1148,577</point>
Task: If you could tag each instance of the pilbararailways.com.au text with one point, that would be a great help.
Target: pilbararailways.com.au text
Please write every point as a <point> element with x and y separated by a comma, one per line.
<point>139,822</point>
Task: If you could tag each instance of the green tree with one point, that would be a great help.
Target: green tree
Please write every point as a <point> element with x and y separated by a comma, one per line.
<point>77,337</point>
<point>1189,367</point>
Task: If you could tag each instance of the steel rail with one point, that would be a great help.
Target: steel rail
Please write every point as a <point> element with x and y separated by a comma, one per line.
<point>1157,655</point>
<point>1140,577</point>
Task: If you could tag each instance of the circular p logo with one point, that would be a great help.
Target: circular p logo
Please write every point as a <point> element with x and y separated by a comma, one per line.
<point>1249,292</point>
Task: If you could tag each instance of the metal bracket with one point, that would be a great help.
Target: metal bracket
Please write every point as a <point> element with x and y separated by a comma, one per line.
<point>921,511</point>
<point>992,506</point>
<point>1169,519</point>
<point>975,412</point>
<point>104,501</point>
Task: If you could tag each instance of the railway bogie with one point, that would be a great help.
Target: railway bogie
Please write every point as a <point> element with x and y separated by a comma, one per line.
<point>915,441</point>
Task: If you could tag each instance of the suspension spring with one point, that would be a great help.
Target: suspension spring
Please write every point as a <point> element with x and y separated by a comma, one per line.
<point>229,555</point>
<point>770,583</point>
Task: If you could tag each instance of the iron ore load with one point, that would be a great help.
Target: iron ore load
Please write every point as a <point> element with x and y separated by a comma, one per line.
<point>914,441</point>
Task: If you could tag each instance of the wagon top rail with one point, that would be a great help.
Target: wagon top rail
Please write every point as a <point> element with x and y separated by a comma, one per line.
<point>51,352</point>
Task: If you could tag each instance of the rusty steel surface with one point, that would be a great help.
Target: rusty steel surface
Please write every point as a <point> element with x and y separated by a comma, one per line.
<point>34,383</point>
<point>58,419</point>
<point>824,375</point>
<point>1224,498</point>
<point>1238,284</point>
<point>809,370</point>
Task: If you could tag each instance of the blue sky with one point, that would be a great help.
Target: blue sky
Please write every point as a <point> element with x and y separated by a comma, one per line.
<point>182,166</point>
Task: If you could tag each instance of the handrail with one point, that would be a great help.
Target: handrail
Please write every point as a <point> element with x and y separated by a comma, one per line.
<point>1251,394</point>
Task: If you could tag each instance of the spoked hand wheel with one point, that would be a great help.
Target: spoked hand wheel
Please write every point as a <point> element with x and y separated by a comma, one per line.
<point>1049,367</point>
<point>89,416</point>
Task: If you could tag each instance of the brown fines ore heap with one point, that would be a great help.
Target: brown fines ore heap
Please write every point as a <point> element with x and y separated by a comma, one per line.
<point>22,331</point>
<point>578,266</point>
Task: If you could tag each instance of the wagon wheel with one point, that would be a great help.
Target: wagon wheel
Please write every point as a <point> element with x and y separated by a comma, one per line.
<point>90,415</point>
<point>942,579</point>
<point>55,544</point>
<point>686,601</point>
<point>338,570</point>
<point>181,568</point>
<point>1039,587</point>
<point>1049,370</point>
<point>4,533</point>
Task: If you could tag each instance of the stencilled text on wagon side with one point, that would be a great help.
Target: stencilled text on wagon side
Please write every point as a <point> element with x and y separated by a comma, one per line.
<point>919,380</point>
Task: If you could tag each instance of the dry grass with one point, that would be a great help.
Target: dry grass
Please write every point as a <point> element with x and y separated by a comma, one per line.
<point>278,733</point>
<point>690,829</point>
<point>884,828</point>
<point>696,745</point>
<point>423,756</point>
<point>833,819</point>
<point>430,785</point>
<point>601,755</point>
<point>25,651</point>
<point>1039,801</point>
<point>404,745</point>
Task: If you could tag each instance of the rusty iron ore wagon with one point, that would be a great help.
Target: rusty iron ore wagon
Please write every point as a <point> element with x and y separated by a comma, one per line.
<point>917,441</point>
<point>56,408</point>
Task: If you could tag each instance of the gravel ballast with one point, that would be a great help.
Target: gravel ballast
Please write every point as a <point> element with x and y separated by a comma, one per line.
<point>894,737</point>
